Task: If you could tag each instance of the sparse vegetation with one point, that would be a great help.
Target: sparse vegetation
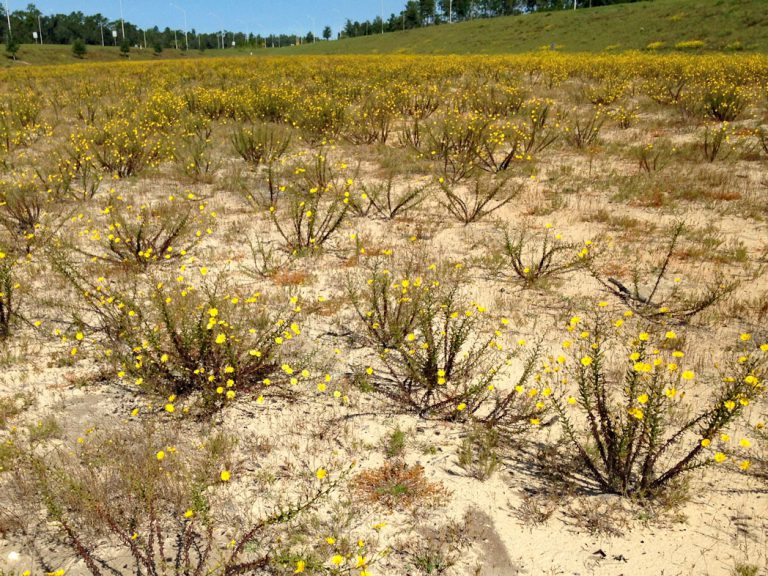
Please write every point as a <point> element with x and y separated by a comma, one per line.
<point>296,315</point>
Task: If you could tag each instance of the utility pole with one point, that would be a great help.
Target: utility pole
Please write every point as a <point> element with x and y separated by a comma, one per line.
<point>220,37</point>
<point>382,16</point>
<point>40,28</point>
<point>8,16</point>
<point>450,11</point>
<point>122,21</point>
<point>186,37</point>
<point>101,25</point>
<point>314,24</point>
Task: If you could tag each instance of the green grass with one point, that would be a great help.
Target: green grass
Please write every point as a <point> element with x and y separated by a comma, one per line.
<point>52,54</point>
<point>720,24</point>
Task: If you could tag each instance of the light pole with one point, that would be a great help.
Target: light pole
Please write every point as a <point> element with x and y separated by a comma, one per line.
<point>122,21</point>
<point>297,35</point>
<point>450,11</point>
<point>314,38</point>
<point>382,16</point>
<point>101,25</point>
<point>8,16</point>
<point>186,37</point>
<point>40,28</point>
<point>222,29</point>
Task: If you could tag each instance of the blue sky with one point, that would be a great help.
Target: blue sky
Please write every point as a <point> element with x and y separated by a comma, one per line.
<point>256,16</point>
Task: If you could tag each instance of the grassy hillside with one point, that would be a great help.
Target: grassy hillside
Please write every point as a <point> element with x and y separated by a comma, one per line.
<point>720,24</point>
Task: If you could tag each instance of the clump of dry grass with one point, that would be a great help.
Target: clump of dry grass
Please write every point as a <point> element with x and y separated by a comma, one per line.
<point>396,485</point>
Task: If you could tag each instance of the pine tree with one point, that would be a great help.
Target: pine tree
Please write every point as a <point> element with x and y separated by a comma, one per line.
<point>78,48</point>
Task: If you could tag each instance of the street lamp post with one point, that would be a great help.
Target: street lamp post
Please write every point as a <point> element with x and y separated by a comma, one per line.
<point>186,37</point>
<point>122,20</point>
<point>221,39</point>
<point>8,16</point>
<point>314,38</point>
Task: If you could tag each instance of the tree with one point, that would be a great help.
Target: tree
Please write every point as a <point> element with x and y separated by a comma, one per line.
<point>412,15</point>
<point>78,48</point>
<point>28,21</point>
<point>125,48</point>
<point>427,10</point>
<point>327,32</point>
<point>462,9</point>
<point>11,46</point>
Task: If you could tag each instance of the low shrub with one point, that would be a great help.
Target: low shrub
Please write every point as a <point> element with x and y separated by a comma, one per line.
<point>621,392</point>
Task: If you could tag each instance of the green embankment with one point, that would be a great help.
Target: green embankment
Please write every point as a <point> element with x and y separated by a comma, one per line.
<point>719,24</point>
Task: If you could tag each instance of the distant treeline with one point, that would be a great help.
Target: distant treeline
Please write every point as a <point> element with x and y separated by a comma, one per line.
<point>97,29</point>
